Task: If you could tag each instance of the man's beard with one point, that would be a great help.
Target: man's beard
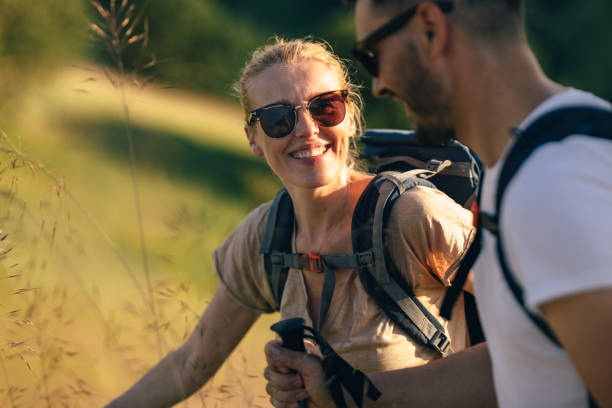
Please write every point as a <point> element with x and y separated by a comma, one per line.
<point>430,136</point>
<point>428,102</point>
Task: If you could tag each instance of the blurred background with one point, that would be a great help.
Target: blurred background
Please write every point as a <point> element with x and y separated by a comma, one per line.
<point>119,174</point>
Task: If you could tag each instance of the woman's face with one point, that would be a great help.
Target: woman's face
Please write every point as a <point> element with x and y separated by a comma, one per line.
<point>311,156</point>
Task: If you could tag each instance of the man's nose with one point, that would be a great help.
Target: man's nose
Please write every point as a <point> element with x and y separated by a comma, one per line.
<point>377,88</point>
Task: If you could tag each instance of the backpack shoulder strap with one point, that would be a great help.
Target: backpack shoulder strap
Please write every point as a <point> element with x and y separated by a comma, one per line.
<point>552,127</point>
<point>277,238</point>
<point>279,257</point>
<point>381,279</point>
<point>468,261</point>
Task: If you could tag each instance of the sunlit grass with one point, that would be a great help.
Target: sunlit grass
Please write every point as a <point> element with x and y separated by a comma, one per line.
<point>75,324</point>
<point>84,90</point>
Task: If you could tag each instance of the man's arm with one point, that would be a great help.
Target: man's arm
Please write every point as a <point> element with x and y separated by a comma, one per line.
<point>184,371</point>
<point>463,379</point>
<point>583,325</point>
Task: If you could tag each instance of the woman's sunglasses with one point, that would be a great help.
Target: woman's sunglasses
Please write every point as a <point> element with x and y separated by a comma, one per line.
<point>278,119</point>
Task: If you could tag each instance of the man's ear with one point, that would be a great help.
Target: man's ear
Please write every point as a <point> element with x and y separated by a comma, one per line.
<point>250,135</point>
<point>433,25</point>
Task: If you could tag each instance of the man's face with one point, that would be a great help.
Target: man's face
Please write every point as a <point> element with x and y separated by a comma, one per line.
<point>404,75</point>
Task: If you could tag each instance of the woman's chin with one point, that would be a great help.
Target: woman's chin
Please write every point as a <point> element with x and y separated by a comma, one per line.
<point>315,181</point>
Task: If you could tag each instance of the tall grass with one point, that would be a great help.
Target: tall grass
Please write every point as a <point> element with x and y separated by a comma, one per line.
<point>88,305</point>
<point>118,30</point>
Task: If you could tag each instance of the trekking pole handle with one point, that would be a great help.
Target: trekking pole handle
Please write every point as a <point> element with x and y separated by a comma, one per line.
<point>291,332</point>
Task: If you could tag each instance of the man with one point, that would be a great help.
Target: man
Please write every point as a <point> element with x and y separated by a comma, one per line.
<point>464,69</point>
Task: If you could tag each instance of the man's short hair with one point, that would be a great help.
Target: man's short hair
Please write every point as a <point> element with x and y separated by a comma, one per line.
<point>491,21</point>
<point>512,4</point>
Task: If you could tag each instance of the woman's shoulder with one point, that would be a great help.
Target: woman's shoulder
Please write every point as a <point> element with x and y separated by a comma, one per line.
<point>258,215</point>
<point>426,210</point>
<point>239,266</point>
<point>435,230</point>
<point>254,224</point>
<point>427,201</point>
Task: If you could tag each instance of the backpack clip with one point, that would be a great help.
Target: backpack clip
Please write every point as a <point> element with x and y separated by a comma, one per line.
<point>489,222</point>
<point>314,261</point>
<point>440,342</point>
<point>277,259</point>
<point>437,166</point>
<point>365,258</point>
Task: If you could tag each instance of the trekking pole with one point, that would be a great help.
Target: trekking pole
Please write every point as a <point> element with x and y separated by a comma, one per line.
<point>291,332</point>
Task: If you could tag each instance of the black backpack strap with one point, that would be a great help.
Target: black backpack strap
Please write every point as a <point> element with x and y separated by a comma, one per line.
<point>472,319</point>
<point>468,261</point>
<point>339,372</point>
<point>382,280</point>
<point>325,264</point>
<point>551,127</point>
<point>278,257</point>
<point>277,237</point>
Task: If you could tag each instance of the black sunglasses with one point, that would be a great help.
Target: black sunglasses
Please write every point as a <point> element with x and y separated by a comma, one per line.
<point>362,51</point>
<point>278,119</point>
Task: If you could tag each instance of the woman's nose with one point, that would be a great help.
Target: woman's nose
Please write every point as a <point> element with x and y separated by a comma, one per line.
<point>305,125</point>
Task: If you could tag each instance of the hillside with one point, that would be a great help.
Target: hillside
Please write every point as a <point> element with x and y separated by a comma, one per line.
<point>77,326</point>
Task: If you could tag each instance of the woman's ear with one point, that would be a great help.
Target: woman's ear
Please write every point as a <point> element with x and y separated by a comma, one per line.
<point>250,135</point>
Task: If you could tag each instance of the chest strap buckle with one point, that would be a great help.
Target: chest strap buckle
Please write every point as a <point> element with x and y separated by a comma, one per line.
<point>314,262</point>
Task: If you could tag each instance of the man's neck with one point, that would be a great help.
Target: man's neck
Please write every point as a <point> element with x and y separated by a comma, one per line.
<point>495,93</point>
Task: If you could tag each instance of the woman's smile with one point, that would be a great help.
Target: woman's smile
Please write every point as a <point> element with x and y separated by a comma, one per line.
<point>310,151</point>
<point>312,155</point>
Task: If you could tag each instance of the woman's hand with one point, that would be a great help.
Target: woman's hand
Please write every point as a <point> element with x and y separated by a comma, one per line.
<point>294,376</point>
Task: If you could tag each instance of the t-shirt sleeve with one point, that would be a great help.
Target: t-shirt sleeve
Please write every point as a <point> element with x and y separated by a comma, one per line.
<point>240,266</point>
<point>427,234</point>
<point>556,220</point>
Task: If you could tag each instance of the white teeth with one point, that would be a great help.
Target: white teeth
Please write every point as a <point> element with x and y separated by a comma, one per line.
<point>304,154</point>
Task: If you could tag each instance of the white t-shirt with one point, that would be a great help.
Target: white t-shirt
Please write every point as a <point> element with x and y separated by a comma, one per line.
<point>556,222</point>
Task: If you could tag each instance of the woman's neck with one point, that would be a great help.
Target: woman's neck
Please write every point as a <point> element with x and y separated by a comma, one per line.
<point>323,216</point>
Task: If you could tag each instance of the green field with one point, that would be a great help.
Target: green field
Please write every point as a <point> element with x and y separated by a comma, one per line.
<point>77,327</point>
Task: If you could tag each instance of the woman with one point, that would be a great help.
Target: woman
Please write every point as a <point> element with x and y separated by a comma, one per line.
<point>302,114</point>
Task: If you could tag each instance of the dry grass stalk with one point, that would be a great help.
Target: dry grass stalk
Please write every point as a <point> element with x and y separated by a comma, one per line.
<point>60,187</point>
<point>40,317</point>
<point>117,32</point>
<point>34,312</point>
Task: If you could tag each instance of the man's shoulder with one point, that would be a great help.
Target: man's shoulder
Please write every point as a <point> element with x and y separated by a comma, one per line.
<point>567,98</point>
<point>567,164</point>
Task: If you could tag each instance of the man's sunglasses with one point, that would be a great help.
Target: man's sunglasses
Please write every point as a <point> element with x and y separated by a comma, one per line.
<point>278,119</point>
<point>363,50</point>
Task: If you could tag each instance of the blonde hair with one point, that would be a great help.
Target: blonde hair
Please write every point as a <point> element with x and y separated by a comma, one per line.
<point>282,51</point>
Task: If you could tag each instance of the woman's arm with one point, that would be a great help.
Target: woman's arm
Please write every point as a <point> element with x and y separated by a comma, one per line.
<point>463,379</point>
<point>184,371</point>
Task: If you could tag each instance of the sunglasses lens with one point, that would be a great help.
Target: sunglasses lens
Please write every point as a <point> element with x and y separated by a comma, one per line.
<point>328,110</point>
<point>368,60</point>
<point>277,121</point>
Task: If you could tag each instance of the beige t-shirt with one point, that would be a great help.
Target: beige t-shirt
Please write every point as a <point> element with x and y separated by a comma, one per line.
<point>427,234</point>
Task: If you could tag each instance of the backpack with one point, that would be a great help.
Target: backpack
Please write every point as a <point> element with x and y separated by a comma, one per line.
<point>378,274</point>
<point>549,128</point>
<point>458,168</point>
